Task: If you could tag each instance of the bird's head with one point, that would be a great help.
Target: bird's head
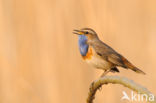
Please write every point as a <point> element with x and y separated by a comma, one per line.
<point>88,32</point>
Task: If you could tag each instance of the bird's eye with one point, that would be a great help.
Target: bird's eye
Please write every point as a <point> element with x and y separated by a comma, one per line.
<point>86,32</point>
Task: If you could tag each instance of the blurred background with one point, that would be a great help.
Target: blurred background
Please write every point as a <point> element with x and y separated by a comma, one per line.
<point>39,56</point>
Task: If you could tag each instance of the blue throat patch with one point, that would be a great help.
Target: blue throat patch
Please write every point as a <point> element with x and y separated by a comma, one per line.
<point>83,47</point>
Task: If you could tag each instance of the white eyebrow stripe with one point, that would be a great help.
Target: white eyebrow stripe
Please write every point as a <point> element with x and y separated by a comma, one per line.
<point>90,31</point>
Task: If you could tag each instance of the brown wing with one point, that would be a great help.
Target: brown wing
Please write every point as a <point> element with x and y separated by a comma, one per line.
<point>108,54</point>
<point>112,56</point>
<point>116,59</point>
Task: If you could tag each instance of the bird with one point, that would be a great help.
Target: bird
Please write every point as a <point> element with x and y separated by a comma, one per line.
<point>98,54</point>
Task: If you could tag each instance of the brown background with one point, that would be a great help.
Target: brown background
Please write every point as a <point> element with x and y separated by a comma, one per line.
<point>39,57</point>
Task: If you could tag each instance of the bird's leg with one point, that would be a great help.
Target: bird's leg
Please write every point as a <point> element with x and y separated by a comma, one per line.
<point>105,72</point>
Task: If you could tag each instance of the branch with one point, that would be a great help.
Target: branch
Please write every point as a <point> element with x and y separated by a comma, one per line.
<point>116,80</point>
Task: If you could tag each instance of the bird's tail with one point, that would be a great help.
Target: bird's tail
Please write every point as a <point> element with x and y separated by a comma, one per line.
<point>138,70</point>
<point>132,67</point>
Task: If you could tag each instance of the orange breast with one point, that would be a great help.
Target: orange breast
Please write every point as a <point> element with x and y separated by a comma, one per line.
<point>89,54</point>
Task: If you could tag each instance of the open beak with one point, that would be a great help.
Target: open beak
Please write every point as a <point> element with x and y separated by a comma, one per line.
<point>78,32</point>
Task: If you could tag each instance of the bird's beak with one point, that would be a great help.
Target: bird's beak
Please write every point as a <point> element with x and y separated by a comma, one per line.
<point>78,32</point>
